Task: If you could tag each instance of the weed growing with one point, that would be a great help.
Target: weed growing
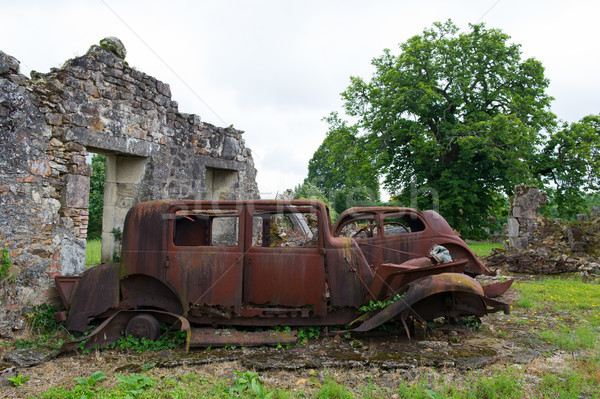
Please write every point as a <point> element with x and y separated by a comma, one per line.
<point>5,266</point>
<point>168,340</point>
<point>46,331</point>
<point>18,380</point>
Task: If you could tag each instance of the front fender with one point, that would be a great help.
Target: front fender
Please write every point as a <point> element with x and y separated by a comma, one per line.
<point>423,288</point>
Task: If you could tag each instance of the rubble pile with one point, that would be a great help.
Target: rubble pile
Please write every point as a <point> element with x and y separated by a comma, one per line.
<point>555,246</point>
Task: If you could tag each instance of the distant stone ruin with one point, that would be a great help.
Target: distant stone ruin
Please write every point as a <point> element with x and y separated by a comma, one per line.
<point>49,123</point>
<point>524,210</point>
<point>540,245</point>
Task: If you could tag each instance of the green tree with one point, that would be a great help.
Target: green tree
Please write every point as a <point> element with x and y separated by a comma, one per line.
<point>455,118</point>
<point>96,196</point>
<point>342,168</point>
<point>569,165</point>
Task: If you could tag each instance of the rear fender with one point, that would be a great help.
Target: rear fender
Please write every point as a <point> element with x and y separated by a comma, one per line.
<point>423,288</point>
<point>141,291</point>
<point>96,292</point>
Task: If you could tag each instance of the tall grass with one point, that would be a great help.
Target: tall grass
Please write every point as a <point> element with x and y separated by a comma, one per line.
<point>92,252</point>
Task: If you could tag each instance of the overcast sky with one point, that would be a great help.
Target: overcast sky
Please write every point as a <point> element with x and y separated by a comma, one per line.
<point>275,68</point>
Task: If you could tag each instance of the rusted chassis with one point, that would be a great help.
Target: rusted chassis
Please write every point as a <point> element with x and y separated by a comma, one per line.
<point>174,268</point>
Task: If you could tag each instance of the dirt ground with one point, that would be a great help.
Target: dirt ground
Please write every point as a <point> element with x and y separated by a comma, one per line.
<point>381,358</point>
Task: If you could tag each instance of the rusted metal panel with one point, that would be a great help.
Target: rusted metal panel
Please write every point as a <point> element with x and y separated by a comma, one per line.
<point>285,277</point>
<point>426,298</point>
<point>66,286</point>
<point>97,292</point>
<point>390,277</point>
<point>497,289</point>
<point>144,245</point>
<point>349,274</point>
<point>211,277</point>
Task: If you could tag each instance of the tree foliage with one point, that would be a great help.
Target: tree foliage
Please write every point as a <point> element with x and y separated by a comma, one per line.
<point>342,168</point>
<point>96,196</point>
<point>569,164</point>
<point>454,120</point>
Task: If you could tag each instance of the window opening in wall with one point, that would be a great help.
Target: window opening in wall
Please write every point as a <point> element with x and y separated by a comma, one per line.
<point>220,184</point>
<point>214,227</point>
<point>96,205</point>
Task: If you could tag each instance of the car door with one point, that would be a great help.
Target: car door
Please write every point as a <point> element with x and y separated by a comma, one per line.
<point>206,256</point>
<point>284,261</point>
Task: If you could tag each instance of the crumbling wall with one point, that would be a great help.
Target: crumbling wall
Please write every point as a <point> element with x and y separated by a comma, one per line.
<point>540,245</point>
<point>524,209</point>
<point>95,103</point>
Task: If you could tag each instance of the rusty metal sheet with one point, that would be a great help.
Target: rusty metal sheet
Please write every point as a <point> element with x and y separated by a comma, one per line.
<point>390,277</point>
<point>66,286</point>
<point>202,337</point>
<point>348,273</point>
<point>429,287</point>
<point>97,292</point>
<point>497,289</point>
<point>292,277</point>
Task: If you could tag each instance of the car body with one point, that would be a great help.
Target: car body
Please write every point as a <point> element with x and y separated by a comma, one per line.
<point>397,234</point>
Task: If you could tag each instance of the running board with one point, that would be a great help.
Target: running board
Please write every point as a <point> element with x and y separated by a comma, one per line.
<point>216,337</point>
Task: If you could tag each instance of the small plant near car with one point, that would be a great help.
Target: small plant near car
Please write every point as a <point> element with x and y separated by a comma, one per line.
<point>249,382</point>
<point>135,384</point>
<point>41,319</point>
<point>48,332</point>
<point>376,305</point>
<point>333,389</point>
<point>92,380</point>
<point>168,340</point>
<point>18,380</point>
<point>307,333</point>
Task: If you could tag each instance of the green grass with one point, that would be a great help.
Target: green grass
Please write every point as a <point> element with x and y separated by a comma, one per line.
<point>561,294</point>
<point>483,249</point>
<point>92,252</point>
<point>564,312</point>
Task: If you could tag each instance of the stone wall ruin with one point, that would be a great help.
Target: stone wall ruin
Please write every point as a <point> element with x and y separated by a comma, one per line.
<point>95,103</point>
<point>524,210</point>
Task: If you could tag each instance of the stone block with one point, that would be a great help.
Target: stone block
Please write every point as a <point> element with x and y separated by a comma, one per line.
<point>513,227</point>
<point>230,148</point>
<point>518,242</point>
<point>76,191</point>
<point>40,167</point>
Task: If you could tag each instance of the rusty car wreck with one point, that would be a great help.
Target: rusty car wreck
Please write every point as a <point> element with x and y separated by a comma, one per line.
<point>273,263</point>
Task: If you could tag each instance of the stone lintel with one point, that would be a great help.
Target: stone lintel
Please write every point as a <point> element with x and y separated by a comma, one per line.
<point>220,163</point>
<point>95,140</point>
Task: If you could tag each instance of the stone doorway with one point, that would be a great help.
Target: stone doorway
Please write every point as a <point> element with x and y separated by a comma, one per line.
<point>123,177</point>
